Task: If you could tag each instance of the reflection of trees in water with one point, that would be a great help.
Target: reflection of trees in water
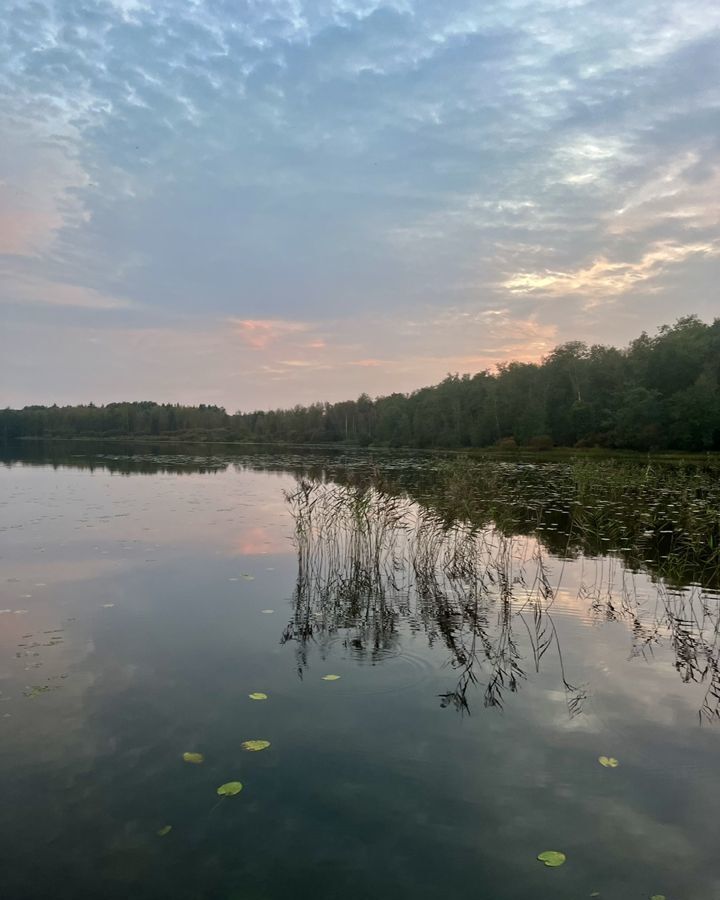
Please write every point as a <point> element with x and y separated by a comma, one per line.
<point>369,560</point>
<point>114,459</point>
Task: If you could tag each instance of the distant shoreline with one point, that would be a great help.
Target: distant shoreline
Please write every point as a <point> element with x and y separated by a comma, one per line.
<point>474,452</point>
<point>659,395</point>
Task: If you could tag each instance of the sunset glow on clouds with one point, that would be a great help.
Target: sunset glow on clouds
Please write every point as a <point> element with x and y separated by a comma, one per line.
<point>260,204</point>
<point>603,278</point>
<point>259,333</point>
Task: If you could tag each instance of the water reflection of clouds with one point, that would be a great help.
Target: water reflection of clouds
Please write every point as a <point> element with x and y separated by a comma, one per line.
<point>261,540</point>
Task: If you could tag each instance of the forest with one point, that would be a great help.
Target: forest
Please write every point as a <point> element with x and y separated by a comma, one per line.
<point>659,393</point>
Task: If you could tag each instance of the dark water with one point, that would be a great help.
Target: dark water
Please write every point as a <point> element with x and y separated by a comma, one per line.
<point>494,635</point>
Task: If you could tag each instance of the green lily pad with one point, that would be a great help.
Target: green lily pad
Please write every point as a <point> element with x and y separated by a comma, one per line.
<point>608,761</point>
<point>331,677</point>
<point>166,829</point>
<point>34,690</point>
<point>258,695</point>
<point>658,897</point>
<point>255,745</point>
<point>552,858</point>
<point>229,789</point>
<point>196,758</point>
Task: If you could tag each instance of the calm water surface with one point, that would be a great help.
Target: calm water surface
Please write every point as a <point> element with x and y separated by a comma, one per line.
<point>482,670</point>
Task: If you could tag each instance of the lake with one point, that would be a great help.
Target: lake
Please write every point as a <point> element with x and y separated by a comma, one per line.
<point>443,651</point>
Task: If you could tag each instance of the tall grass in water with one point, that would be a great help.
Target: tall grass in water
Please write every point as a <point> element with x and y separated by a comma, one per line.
<point>468,569</point>
<point>366,559</point>
<point>666,516</point>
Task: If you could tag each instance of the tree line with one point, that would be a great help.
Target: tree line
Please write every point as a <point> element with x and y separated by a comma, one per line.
<point>660,392</point>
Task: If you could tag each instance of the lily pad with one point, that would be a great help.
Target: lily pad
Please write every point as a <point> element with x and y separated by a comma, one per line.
<point>258,695</point>
<point>196,758</point>
<point>229,789</point>
<point>658,897</point>
<point>552,858</point>
<point>331,677</point>
<point>166,829</point>
<point>255,745</point>
<point>608,761</point>
<point>34,690</point>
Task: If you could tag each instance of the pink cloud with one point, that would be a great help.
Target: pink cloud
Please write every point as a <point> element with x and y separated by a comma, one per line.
<point>23,230</point>
<point>199,362</point>
<point>259,333</point>
<point>39,179</point>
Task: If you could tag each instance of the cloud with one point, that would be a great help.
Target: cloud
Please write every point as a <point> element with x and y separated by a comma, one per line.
<point>32,290</point>
<point>285,165</point>
<point>683,192</point>
<point>606,279</point>
<point>259,333</point>
<point>39,178</point>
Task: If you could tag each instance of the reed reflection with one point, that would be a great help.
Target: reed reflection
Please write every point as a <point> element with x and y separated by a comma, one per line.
<point>372,561</point>
<point>368,561</point>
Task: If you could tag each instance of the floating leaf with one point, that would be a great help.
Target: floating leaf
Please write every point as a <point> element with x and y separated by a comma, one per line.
<point>552,858</point>
<point>196,758</point>
<point>255,745</point>
<point>658,897</point>
<point>230,788</point>
<point>248,577</point>
<point>34,690</point>
<point>166,829</point>
<point>258,695</point>
<point>331,677</point>
<point>608,761</point>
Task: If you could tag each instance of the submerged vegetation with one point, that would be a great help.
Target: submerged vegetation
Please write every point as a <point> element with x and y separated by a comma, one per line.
<point>660,393</point>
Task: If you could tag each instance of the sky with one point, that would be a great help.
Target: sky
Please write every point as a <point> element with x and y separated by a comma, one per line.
<point>259,203</point>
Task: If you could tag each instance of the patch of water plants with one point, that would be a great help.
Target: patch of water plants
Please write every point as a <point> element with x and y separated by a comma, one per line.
<point>464,558</point>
